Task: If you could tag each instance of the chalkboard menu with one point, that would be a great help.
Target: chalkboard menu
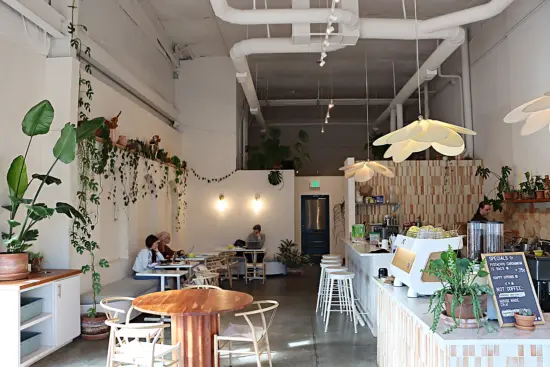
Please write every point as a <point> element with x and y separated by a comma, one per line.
<point>510,279</point>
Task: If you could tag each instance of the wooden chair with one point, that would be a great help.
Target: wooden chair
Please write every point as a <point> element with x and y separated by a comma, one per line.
<point>254,261</point>
<point>207,278</point>
<point>251,332</point>
<point>203,286</point>
<point>142,353</point>
<point>229,260</point>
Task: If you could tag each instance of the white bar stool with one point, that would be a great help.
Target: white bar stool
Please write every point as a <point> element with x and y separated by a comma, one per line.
<point>331,257</point>
<point>322,279</point>
<point>325,290</point>
<point>343,280</point>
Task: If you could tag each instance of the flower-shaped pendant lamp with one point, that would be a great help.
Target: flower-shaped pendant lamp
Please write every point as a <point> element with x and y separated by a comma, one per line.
<point>365,170</point>
<point>535,113</point>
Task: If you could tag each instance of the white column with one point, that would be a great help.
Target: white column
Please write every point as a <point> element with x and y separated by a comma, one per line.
<point>467,96</point>
<point>393,118</point>
<point>399,110</point>
<point>350,200</point>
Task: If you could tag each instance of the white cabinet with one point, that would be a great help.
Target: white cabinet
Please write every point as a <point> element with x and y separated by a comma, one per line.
<point>67,310</point>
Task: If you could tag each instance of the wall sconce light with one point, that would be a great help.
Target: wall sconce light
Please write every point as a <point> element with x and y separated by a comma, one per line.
<point>257,204</point>
<point>222,204</point>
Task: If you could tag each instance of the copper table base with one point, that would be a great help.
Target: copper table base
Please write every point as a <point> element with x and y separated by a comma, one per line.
<point>196,335</point>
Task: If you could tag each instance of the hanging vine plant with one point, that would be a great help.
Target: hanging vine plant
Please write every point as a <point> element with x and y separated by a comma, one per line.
<point>275,178</point>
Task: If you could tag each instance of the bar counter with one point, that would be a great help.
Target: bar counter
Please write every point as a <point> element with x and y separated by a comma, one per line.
<point>365,265</point>
<point>405,338</point>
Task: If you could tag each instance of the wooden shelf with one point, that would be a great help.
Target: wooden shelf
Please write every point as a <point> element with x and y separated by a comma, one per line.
<point>36,320</point>
<point>36,356</point>
<point>527,201</point>
<point>368,204</point>
<point>123,147</point>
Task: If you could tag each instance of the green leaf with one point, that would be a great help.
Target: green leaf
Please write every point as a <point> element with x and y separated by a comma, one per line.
<point>86,129</point>
<point>39,119</point>
<point>13,223</point>
<point>69,211</point>
<point>65,148</point>
<point>85,269</point>
<point>462,264</point>
<point>103,263</point>
<point>30,235</point>
<point>39,211</point>
<point>482,273</point>
<point>18,181</point>
<point>48,180</point>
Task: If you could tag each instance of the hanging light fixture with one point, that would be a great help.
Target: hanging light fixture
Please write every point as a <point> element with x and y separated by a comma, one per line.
<point>423,133</point>
<point>330,29</point>
<point>535,113</point>
<point>365,170</point>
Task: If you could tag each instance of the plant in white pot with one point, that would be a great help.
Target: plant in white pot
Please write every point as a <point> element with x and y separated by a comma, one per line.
<point>291,257</point>
<point>22,232</point>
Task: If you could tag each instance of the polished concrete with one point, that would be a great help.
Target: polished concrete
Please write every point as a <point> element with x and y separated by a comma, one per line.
<point>297,334</point>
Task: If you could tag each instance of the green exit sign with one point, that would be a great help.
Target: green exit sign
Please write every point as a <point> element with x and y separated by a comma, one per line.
<point>315,184</point>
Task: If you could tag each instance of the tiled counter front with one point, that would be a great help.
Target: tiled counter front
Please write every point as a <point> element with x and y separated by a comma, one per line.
<point>404,340</point>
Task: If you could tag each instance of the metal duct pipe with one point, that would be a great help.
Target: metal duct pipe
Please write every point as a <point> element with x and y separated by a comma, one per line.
<point>467,97</point>
<point>441,53</point>
<point>281,16</point>
<point>466,16</point>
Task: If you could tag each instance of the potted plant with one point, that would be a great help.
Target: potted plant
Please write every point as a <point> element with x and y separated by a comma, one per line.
<point>528,187</point>
<point>539,185</point>
<point>464,299</point>
<point>502,188</point>
<point>21,233</point>
<point>525,319</point>
<point>271,154</point>
<point>291,257</point>
<point>36,259</point>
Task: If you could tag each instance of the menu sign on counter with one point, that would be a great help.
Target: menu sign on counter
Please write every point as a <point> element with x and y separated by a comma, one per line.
<point>510,279</point>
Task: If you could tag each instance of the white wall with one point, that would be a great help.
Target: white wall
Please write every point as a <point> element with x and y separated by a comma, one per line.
<point>509,60</point>
<point>121,231</point>
<point>334,186</point>
<point>207,228</point>
<point>207,100</point>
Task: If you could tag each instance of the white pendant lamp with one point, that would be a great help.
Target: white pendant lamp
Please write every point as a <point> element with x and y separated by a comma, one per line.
<point>423,133</point>
<point>535,113</point>
<point>365,170</point>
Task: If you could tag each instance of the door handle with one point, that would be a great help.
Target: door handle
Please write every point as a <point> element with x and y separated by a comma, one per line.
<point>59,291</point>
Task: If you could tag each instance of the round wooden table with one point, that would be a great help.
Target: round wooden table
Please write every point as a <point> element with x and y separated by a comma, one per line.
<point>194,314</point>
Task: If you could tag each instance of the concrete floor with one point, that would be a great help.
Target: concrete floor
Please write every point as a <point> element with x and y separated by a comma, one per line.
<point>297,334</point>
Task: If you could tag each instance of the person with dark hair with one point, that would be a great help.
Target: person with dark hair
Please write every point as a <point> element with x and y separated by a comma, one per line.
<point>256,235</point>
<point>148,257</point>
<point>483,210</point>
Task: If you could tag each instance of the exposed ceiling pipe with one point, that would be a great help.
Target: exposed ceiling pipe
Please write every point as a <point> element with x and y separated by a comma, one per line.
<point>466,16</point>
<point>241,49</point>
<point>441,53</point>
<point>399,29</point>
<point>281,16</point>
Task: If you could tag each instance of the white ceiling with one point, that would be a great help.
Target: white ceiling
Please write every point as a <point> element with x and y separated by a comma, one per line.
<point>193,25</point>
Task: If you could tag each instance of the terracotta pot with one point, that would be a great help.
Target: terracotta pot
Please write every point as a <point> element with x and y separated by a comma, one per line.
<point>14,266</point>
<point>540,194</point>
<point>516,195</point>
<point>526,321</point>
<point>94,328</point>
<point>465,310</point>
<point>508,196</point>
<point>122,140</point>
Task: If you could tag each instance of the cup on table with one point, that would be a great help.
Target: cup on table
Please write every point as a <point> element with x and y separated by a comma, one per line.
<point>385,244</point>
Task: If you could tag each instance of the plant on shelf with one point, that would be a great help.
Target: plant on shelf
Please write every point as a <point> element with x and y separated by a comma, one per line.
<point>22,233</point>
<point>530,186</point>
<point>539,187</point>
<point>271,154</point>
<point>291,257</point>
<point>36,259</point>
<point>463,298</point>
<point>502,187</point>
<point>525,319</point>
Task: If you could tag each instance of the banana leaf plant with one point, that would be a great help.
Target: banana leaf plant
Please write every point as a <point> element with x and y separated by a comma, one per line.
<point>38,121</point>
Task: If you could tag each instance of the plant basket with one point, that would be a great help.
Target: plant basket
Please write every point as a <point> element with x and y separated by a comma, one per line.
<point>14,266</point>
<point>94,328</point>
<point>464,311</point>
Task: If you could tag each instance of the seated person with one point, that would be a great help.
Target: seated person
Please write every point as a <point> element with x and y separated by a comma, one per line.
<point>164,240</point>
<point>256,235</point>
<point>147,258</point>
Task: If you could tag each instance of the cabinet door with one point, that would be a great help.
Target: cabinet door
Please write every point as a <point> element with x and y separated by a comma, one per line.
<point>67,310</point>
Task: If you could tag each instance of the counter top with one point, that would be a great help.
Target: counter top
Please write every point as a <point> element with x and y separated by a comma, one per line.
<point>35,279</point>
<point>364,248</point>
<point>418,308</point>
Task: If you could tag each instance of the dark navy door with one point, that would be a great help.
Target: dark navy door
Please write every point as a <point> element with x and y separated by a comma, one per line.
<point>315,226</point>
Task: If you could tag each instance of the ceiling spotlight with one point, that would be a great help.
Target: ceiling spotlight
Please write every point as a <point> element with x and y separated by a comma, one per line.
<point>330,29</point>
<point>331,104</point>
<point>326,43</point>
<point>333,18</point>
<point>328,115</point>
<point>326,121</point>
<point>322,129</point>
<point>323,54</point>
<point>322,63</point>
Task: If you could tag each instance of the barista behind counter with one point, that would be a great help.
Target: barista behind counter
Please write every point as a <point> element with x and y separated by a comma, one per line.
<point>483,210</point>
